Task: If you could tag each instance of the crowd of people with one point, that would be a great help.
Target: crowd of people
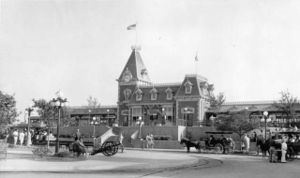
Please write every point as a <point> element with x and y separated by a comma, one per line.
<point>19,137</point>
<point>149,141</point>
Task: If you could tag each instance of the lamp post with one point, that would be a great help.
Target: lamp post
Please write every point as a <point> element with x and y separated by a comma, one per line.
<point>184,116</point>
<point>90,116</point>
<point>265,118</point>
<point>107,117</point>
<point>58,103</point>
<point>29,110</point>
<point>94,122</point>
<point>164,115</point>
<point>141,123</point>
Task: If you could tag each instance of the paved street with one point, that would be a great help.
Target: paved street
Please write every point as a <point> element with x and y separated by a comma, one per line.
<point>136,163</point>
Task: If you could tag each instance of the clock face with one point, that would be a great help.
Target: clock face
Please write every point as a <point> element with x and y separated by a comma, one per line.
<point>127,78</point>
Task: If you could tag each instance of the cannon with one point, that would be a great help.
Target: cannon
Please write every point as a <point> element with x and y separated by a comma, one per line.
<point>108,148</point>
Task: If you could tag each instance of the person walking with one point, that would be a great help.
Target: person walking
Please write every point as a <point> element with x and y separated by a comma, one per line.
<point>148,140</point>
<point>15,135</point>
<point>247,143</point>
<point>151,141</point>
<point>231,143</point>
<point>224,143</point>
<point>121,138</point>
<point>283,150</point>
<point>21,137</point>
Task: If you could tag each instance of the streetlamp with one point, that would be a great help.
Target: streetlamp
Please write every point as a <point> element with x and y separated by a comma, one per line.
<point>107,121</point>
<point>90,115</point>
<point>94,122</point>
<point>164,115</point>
<point>140,123</point>
<point>58,103</point>
<point>29,110</point>
<point>265,119</point>
<point>184,116</point>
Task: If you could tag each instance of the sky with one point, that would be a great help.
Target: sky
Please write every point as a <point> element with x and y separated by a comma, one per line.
<point>249,49</point>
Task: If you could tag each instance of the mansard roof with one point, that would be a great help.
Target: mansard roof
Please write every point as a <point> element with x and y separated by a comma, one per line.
<point>199,86</point>
<point>161,93</point>
<point>136,67</point>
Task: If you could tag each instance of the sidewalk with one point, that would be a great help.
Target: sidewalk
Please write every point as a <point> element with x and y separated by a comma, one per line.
<point>130,160</point>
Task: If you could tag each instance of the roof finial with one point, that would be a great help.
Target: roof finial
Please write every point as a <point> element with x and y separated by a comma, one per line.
<point>136,47</point>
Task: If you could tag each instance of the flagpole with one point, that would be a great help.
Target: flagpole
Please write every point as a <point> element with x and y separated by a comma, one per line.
<point>136,35</point>
<point>196,63</point>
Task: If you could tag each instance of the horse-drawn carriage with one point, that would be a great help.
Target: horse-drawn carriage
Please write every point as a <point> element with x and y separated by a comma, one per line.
<point>216,141</point>
<point>273,145</point>
<point>107,144</point>
<point>293,142</point>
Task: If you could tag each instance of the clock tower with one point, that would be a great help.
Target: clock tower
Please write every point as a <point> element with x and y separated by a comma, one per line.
<point>133,75</point>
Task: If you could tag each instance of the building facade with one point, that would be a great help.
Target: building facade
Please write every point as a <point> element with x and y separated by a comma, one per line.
<point>141,100</point>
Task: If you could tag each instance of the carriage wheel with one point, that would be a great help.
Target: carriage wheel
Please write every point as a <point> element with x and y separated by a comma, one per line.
<point>218,148</point>
<point>109,148</point>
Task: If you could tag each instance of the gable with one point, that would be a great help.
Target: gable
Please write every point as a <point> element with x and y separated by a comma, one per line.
<point>134,70</point>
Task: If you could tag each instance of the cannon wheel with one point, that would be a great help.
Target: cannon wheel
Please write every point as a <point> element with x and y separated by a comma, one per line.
<point>218,148</point>
<point>109,148</point>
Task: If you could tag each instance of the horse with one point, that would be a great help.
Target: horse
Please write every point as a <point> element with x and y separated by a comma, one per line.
<point>78,148</point>
<point>264,146</point>
<point>188,143</point>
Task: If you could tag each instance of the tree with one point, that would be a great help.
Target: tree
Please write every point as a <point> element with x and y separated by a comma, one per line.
<point>235,122</point>
<point>216,101</point>
<point>49,113</point>
<point>93,102</point>
<point>8,111</point>
<point>287,105</point>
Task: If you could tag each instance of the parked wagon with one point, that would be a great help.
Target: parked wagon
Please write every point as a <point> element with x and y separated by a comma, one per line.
<point>217,141</point>
<point>293,144</point>
<point>213,141</point>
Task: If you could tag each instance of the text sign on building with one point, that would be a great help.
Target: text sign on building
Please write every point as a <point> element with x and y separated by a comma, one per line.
<point>187,110</point>
<point>124,112</point>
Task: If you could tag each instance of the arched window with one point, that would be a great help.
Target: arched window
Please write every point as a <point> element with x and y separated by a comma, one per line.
<point>188,87</point>
<point>153,93</point>
<point>127,93</point>
<point>169,94</point>
<point>139,95</point>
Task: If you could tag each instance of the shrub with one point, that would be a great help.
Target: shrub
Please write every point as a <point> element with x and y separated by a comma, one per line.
<point>63,154</point>
<point>42,151</point>
<point>162,137</point>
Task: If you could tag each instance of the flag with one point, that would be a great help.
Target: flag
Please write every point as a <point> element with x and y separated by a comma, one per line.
<point>131,27</point>
<point>135,135</point>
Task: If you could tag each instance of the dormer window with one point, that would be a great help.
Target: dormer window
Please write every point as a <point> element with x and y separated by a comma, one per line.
<point>169,94</point>
<point>139,95</point>
<point>153,93</point>
<point>188,87</point>
<point>127,93</point>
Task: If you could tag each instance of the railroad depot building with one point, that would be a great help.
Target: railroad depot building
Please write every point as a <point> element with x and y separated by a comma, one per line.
<point>171,104</point>
<point>185,103</point>
<point>141,100</point>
